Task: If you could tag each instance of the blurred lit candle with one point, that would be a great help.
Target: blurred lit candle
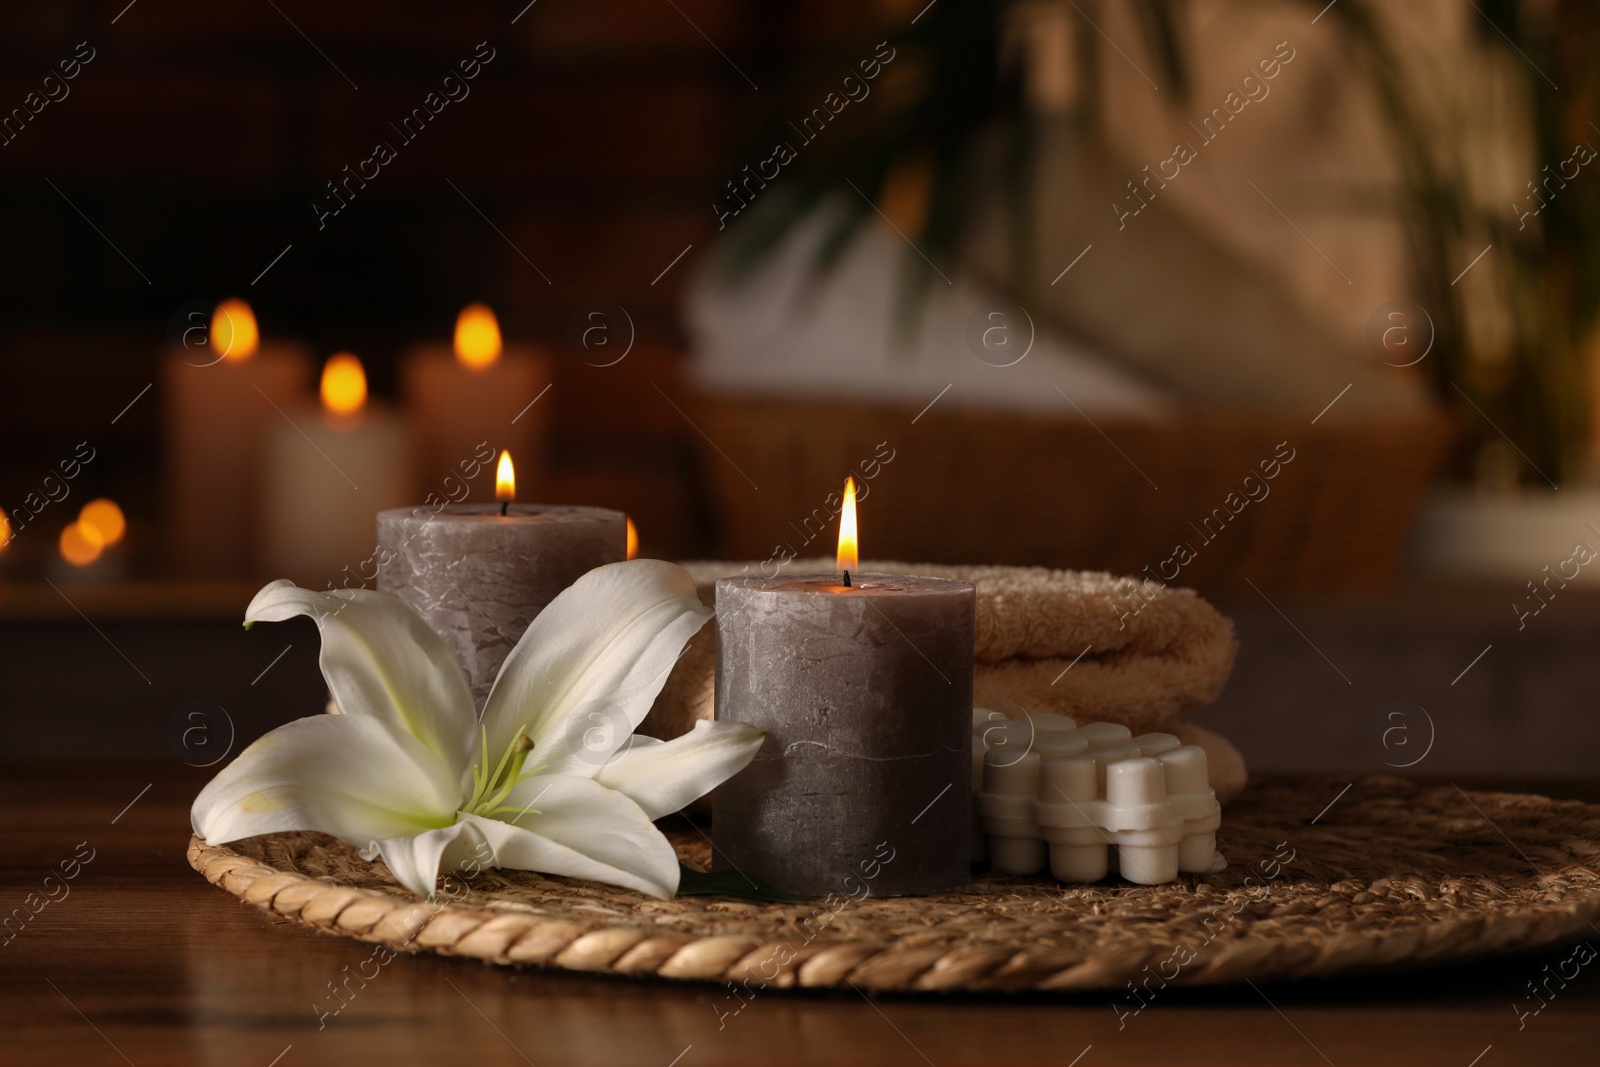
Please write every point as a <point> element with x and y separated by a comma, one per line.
<point>105,518</point>
<point>100,525</point>
<point>81,545</point>
<point>477,390</point>
<point>327,473</point>
<point>218,396</point>
<point>863,684</point>
<point>479,573</point>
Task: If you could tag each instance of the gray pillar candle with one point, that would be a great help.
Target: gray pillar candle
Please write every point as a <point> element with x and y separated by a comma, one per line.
<point>479,577</point>
<point>863,784</point>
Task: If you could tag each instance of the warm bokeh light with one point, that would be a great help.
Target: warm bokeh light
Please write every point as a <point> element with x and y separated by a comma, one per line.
<point>849,558</point>
<point>81,544</point>
<point>633,539</point>
<point>505,479</point>
<point>233,330</point>
<point>477,336</point>
<point>344,385</point>
<point>5,530</point>
<point>105,518</point>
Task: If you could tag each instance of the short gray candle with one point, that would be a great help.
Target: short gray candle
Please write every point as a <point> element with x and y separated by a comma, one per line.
<point>479,577</point>
<point>865,694</point>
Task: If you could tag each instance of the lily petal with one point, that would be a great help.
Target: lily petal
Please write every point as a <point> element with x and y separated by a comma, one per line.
<point>590,665</point>
<point>382,661</point>
<point>414,861</point>
<point>664,776</point>
<point>579,828</point>
<point>360,779</point>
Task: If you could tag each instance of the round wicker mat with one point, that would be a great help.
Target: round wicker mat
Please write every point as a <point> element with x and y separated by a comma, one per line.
<point>1391,875</point>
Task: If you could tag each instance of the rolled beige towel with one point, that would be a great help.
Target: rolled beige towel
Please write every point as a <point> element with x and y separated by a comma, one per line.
<point>1224,763</point>
<point>1086,645</point>
<point>1183,645</point>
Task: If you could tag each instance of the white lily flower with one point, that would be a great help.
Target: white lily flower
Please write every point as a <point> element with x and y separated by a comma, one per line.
<point>551,779</point>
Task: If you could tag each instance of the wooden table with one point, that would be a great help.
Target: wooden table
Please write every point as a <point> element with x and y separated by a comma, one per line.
<point>145,963</point>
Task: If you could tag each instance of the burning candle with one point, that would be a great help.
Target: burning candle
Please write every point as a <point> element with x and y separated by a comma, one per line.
<point>863,684</point>
<point>479,573</point>
<point>477,390</point>
<point>220,385</point>
<point>327,473</point>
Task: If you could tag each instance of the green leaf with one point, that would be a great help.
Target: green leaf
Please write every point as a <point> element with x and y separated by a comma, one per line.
<point>693,883</point>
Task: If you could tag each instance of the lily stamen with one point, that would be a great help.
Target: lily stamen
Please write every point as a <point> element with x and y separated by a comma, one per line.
<point>489,790</point>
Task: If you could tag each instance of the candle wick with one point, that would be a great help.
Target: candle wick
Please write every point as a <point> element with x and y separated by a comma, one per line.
<point>504,504</point>
<point>846,578</point>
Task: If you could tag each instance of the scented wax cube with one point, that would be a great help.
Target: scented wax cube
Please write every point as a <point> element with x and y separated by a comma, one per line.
<point>1092,800</point>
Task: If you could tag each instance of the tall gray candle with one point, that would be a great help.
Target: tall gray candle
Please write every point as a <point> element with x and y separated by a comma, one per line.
<point>479,577</point>
<point>863,784</point>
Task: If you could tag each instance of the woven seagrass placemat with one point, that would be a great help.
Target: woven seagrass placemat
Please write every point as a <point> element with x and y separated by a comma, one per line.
<point>1391,875</point>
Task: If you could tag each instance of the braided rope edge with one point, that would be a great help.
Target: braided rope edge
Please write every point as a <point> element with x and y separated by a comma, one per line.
<point>635,950</point>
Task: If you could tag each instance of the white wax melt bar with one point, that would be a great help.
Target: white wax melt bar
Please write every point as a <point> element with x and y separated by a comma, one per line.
<point>1091,800</point>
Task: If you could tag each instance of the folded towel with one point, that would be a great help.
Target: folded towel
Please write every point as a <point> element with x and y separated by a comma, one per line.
<point>1224,763</point>
<point>1086,645</point>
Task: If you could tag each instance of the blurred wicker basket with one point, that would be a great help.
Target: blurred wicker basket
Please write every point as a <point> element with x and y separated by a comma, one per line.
<point>967,486</point>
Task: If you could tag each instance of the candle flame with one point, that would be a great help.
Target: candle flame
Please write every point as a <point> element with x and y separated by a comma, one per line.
<point>344,385</point>
<point>633,539</point>
<point>233,330</point>
<point>505,479</point>
<point>81,544</point>
<point>849,558</point>
<point>105,518</point>
<point>477,337</point>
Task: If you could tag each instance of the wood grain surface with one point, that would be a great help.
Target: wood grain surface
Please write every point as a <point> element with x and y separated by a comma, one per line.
<point>138,960</point>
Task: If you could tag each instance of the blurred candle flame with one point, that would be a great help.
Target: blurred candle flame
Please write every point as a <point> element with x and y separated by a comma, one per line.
<point>849,556</point>
<point>233,330</point>
<point>105,518</point>
<point>344,385</point>
<point>81,544</point>
<point>5,530</point>
<point>505,479</point>
<point>633,539</point>
<point>477,337</point>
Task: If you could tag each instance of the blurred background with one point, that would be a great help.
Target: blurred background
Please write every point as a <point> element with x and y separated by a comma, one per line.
<point>1292,302</point>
